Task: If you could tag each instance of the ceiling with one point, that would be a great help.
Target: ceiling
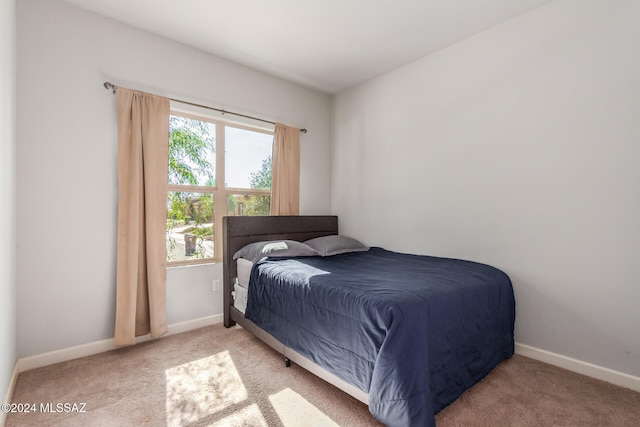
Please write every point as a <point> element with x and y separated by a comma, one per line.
<point>328,45</point>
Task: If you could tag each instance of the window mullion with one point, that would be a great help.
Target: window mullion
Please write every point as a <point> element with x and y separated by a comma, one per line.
<point>191,188</point>
<point>220,206</point>
<point>248,191</point>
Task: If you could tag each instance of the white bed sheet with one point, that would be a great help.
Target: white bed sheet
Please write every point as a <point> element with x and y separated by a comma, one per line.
<point>244,267</point>
<point>240,288</point>
<point>240,297</point>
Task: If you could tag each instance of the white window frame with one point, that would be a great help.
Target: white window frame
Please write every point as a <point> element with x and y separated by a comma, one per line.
<point>219,191</point>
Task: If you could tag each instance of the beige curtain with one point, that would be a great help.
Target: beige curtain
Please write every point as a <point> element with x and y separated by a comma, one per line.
<point>143,134</point>
<point>285,184</point>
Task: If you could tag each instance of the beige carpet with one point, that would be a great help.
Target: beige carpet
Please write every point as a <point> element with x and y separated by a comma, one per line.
<point>225,377</point>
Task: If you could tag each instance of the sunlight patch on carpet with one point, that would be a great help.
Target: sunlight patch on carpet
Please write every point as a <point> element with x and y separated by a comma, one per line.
<point>248,416</point>
<point>294,411</point>
<point>198,389</point>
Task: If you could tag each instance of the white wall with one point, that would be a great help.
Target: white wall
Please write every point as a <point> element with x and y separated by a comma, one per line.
<point>519,148</point>
<point>66,162</point>
<point>7,195</point>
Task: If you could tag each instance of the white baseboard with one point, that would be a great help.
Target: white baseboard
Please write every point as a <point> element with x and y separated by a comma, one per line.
<point>594,371</point>
<point>9,394</point>
<point>62,355</point>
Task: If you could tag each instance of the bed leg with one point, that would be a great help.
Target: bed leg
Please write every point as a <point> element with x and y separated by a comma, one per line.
<point>287,362</point>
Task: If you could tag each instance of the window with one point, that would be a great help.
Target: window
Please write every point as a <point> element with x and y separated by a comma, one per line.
<point>215,169</point>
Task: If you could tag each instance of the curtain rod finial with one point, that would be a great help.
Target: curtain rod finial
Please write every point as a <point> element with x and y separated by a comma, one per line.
<point>109,85</point>
<point>303,131</point>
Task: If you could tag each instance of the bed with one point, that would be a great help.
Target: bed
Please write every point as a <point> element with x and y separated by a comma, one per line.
<point>405,334</point>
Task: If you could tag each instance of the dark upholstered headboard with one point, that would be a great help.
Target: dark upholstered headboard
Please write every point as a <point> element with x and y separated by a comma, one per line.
<point>238,231</point>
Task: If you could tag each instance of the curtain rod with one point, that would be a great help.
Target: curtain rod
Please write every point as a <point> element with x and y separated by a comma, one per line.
<point>112,87</point>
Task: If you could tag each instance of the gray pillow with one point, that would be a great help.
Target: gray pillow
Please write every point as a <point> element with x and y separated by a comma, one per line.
<point>254,252</point>
<point>336,244</point>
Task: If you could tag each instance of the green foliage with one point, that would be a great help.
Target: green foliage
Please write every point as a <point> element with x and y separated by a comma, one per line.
<point>190,152</point>
<point>177,211</point>
<point>262,178</point>
<point>203,232</point>
<point>186,207</point>
<point>257,205</point>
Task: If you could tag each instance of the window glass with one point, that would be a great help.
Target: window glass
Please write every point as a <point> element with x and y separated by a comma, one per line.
<point>189,226</point>
<point>247,158</point>
<point>248,204</point>
<point>192,194</point>
<point>192,151</point>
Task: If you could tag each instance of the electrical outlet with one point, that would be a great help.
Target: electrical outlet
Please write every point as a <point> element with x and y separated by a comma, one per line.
<point>216,285</point>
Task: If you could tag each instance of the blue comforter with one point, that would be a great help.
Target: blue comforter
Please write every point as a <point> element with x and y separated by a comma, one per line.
<point>414,332</point>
